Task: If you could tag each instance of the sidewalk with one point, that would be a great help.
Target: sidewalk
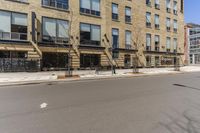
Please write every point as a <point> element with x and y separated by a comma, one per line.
<point>38,77</point>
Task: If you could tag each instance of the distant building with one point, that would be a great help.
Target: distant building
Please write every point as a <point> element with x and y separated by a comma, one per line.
<point>192,43</point>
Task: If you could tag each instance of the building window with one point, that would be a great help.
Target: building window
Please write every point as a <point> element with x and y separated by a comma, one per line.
<point>157,42</point>
<point>148,2</point>
<point>168,44</point>
<point>91,7</point>
<point>175,8</point>
<point>128,40</point>
<point>115,15</point>
<point>58,4</point>
<point>90,34</point>
<point>90,60</point>
<point>115,38</point>
<point>182,6</point>
<point>55,30</point>
<point>168,25</point>
<point>128,15</point>
<point>168,6</point>
<point>54,61</point>
<point>175,44</point>
<point>13,26</point>
<point>157,4</point>
<point>157,22</point>
<point>175,26</point>
<point>148,42</point>
<point>148,20</point>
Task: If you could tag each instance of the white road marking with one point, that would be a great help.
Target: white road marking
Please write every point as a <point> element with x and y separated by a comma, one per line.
<point>43,105</point>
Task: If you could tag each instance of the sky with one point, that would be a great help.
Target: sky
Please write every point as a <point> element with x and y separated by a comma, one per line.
<point>192,11</point>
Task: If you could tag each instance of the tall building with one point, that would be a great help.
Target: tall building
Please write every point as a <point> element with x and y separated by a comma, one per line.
<point>193,43</point>
<point>50,34</point>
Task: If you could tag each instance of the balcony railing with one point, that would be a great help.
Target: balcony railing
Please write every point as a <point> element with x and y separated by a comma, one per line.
<point>128,19</point>
<point>91,12</point>
<point>115,16</point>
<point>148,24</point>
<point>148,48</point>
<point>60,40</point>
<point>157,48</point>
<point>168,10</point>
<point>175,12</point>
<point>175,30</point>
<point>168,29</point>
<point>55,4</point>
<point>168,50</point>
<point>128,46</point>
<point>13,36</point>
<point>89,42</point>
<point>157,26</point>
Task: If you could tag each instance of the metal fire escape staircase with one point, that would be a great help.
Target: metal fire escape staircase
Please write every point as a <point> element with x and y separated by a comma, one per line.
<point>108,51</point>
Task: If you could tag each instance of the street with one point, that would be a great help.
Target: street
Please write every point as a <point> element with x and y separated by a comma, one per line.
<point>151,104</point>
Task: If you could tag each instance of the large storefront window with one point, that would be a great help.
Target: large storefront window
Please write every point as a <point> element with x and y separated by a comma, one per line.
<point>54,61</point>
<point>13,26</point>
<point>55,30</point>
<point>89,60</point>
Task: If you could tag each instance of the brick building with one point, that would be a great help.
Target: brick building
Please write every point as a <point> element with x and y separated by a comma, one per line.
<point>146,33</point>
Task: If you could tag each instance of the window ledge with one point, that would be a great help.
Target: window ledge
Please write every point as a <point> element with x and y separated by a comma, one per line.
<point>15,41</point>
<point>54,8</point>
<point>149,5</point>
<point>18,1</point>
<point>115,20</point>
<point>149,27</point>
<point>90,15</point>
<point>130,23</point>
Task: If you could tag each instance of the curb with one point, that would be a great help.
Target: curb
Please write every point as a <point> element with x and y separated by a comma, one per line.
<point>51,81</point>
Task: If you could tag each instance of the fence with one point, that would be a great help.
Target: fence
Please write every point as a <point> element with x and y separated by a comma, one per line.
<point>19,65</point>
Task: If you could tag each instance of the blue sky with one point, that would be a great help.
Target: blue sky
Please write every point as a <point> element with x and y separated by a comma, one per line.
<point>192,11</point>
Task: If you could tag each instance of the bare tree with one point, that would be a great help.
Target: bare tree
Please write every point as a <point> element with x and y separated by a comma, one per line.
<point>138,43</point>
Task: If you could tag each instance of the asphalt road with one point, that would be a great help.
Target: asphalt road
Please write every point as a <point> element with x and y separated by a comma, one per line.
<point>156,104</point>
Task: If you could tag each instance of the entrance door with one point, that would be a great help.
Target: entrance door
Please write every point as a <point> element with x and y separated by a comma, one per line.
<point>127,61</point>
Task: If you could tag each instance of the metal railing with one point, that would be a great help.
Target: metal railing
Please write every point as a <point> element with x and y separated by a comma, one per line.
<point>60,40</point>
<point>55,4</point>
<point>91,12</point>
<point>19,65</point>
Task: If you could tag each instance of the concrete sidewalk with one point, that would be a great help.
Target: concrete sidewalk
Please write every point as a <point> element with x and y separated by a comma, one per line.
<point>52,76</point>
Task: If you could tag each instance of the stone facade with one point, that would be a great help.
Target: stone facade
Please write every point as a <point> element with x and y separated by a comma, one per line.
<point>73,15</point>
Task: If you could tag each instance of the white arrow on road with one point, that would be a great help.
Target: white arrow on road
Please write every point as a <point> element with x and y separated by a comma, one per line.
<point>43,105</point>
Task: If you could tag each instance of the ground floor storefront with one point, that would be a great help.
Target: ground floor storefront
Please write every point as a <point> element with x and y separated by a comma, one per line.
<point>55,58</point>
<point>155,60</point>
